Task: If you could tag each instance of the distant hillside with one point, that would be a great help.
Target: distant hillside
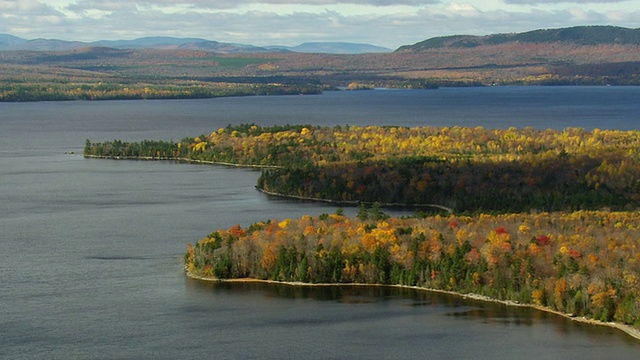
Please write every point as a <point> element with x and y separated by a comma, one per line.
<point>47,45</point>
<point>596,55</point>
<point>580,35</point>
<point>334,48</point>
<point>13,43</point>
<point>221,48</point>
<point>10,42</point>
<point>171,43</point>
<point>147,42</point>
<point>83,54</point>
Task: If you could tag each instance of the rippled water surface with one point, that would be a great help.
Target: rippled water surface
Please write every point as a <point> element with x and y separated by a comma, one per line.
<point>91,249</point>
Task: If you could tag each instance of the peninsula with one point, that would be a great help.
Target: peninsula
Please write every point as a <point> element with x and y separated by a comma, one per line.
<point>542,218</point>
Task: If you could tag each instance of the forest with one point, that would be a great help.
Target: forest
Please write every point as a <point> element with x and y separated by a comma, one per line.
<point>583,263</point>
<point>14,92</point>
<point>464,169</point>
<point>541,217</point>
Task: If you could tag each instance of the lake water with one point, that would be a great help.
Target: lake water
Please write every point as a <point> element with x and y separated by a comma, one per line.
<point>90,250</point>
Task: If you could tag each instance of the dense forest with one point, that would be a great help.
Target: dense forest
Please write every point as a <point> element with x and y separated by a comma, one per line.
<point>75,91</point>
<point>541,217</point>
<point>581,263</point>
<point>465,169</point>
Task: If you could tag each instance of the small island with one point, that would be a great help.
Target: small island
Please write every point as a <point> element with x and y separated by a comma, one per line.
<point>542,218</point>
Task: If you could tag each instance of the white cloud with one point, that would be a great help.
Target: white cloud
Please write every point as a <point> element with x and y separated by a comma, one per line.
<point>535,2</point>
<point>463,9</point>
<point>99,5</point>
<point>290,22</point>
<point>81,5</point>
<point>30,7</point>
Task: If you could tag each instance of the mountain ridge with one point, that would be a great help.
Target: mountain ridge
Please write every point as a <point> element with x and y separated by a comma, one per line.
<point>338,47</point>
<point>579,35</point>
<point>13,43</point>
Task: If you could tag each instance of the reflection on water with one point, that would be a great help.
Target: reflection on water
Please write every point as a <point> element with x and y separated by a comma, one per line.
<point>496,316</point>
<point>90,250</point>
<point>347,293</point>
<point>432,307</point>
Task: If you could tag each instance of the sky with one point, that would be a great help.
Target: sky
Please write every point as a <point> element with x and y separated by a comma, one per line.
<point>388,23</point>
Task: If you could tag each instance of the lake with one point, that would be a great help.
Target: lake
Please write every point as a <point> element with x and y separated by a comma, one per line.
<point>91,249</point>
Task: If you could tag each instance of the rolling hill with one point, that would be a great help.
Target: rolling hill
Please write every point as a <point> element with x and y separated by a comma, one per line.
<point>334,48</point>
<point>579,35</point>
<point>594,55</point>
<point>14,43</point>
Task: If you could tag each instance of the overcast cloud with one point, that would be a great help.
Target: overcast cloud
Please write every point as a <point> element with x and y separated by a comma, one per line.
<point>389,23</point>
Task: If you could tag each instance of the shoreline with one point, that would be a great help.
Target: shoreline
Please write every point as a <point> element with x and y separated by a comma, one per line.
<point>354,202</point>
<point>181,160</point>
<point>270,193</point>
<point>627,329</point>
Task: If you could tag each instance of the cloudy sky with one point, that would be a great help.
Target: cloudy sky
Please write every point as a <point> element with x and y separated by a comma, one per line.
<point>389,23</point>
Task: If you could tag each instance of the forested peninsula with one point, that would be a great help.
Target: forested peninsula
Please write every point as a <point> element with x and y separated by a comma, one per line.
<point>59,91</point>
<point>547,218</point>
<point>464,169</point>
